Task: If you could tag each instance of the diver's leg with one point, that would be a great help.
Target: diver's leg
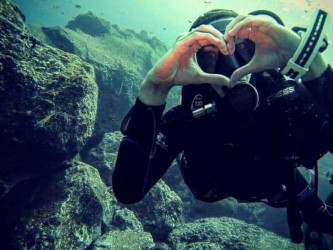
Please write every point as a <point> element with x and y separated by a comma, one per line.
<point>318,214</point>
<point>314,233</point>
<point>313,239</point>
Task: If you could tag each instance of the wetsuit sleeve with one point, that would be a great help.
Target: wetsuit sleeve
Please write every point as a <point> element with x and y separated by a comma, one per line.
<point>321,90</point>
<point>142,160</point>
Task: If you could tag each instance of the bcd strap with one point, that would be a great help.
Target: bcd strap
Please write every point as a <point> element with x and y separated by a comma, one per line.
<point>311,43</point>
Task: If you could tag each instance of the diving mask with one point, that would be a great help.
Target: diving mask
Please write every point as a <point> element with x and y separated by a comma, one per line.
<point>211,60</point>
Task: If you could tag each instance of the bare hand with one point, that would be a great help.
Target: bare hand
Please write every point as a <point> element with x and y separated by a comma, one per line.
<point>274,44</point>
<point>179,66</point>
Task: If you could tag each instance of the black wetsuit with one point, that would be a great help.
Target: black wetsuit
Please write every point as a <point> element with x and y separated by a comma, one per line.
<point>250,158</point>
<point>220,159</point>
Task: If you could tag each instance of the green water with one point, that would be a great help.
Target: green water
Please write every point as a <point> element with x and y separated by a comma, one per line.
<point>166,19</point>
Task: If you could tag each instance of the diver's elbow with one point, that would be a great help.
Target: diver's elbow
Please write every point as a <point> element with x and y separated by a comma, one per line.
<point>127,198</point>
<point>126,193</point>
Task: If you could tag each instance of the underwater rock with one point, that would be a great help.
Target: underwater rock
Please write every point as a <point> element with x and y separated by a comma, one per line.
<point>59,35</point>
<point>160,211</point>
<point>90,24</point>
<point>127,239</point>
<point>104,155</point>
<point>126,232</point>
<point>124,219</point>
<point>12,14</point>
<point>121,60</point>
<point>48,100</point>
<point>62,210</point>
<point>226,233</point>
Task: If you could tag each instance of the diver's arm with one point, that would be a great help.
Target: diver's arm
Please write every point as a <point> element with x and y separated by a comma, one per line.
<point>319,81</point>
<point>321,88</point>
<point>141,161</point>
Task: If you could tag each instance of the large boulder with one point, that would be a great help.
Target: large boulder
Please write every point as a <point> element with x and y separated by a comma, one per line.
<point>90,24</point>
<point>127,239</point>
<point>226,233</point>
<point>121,58</point>
<point>103,156</point>
<point>48,101</point>
<point>68,209</point>
<point>125,219</point>
<point>160,211</point>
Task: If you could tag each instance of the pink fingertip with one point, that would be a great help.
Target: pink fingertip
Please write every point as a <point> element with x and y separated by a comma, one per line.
<point>231,47</point>
<point>225,51</point>
<point>231,33</point>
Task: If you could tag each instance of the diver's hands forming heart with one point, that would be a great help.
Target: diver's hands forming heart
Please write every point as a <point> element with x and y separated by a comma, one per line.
<point>274,46</point>
<point>179,66</point>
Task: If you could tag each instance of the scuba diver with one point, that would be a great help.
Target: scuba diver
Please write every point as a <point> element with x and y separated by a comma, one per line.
<point>257,106</point>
